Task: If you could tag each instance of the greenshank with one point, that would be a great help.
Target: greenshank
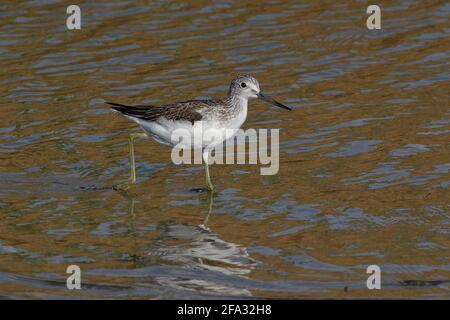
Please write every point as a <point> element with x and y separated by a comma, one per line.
<point>227,114</point>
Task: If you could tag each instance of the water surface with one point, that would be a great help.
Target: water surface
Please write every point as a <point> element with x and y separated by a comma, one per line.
<point>365,165</point>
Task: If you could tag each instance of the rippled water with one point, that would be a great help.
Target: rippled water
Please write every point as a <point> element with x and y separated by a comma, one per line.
<point>365,163</point>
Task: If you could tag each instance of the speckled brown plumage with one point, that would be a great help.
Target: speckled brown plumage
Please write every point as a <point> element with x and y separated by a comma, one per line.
<point>187,110</point>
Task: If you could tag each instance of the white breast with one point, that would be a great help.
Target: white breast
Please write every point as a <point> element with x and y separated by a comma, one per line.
<point>201,134</point>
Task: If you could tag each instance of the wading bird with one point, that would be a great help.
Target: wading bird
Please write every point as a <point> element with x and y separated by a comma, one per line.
<point>227,115</point>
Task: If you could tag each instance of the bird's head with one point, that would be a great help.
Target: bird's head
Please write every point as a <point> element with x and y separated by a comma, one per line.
<point>247,87</point>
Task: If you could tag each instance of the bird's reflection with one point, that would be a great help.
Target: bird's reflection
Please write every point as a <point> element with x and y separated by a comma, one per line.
<point>201,251</point>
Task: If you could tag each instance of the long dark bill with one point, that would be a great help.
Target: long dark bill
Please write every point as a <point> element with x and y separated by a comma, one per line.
<point>273,102</point>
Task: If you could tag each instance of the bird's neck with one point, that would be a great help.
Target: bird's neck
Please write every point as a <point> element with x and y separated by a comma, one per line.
<point>236,102</point>
<point>236,110</point>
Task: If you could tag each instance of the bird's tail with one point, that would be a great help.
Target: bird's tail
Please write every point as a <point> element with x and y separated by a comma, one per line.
<point>119,107</point>
<point>145,112</point>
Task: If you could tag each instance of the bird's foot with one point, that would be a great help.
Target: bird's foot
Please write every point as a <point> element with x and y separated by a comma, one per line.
<point>122,187</point>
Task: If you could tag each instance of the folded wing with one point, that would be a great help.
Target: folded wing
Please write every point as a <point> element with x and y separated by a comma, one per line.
<point>188,111</point>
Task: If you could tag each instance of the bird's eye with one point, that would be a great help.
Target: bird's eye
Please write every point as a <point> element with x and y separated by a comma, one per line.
<point>243,85</point>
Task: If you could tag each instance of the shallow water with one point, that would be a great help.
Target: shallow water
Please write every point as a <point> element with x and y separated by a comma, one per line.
<point>364,160</point>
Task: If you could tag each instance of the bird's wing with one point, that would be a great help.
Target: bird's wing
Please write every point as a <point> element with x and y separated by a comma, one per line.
<point>189,110</point>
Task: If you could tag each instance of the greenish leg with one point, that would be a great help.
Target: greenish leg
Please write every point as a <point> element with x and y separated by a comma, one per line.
<point>208,178</point>
<point>210,202</point>
<point>131,139</point>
